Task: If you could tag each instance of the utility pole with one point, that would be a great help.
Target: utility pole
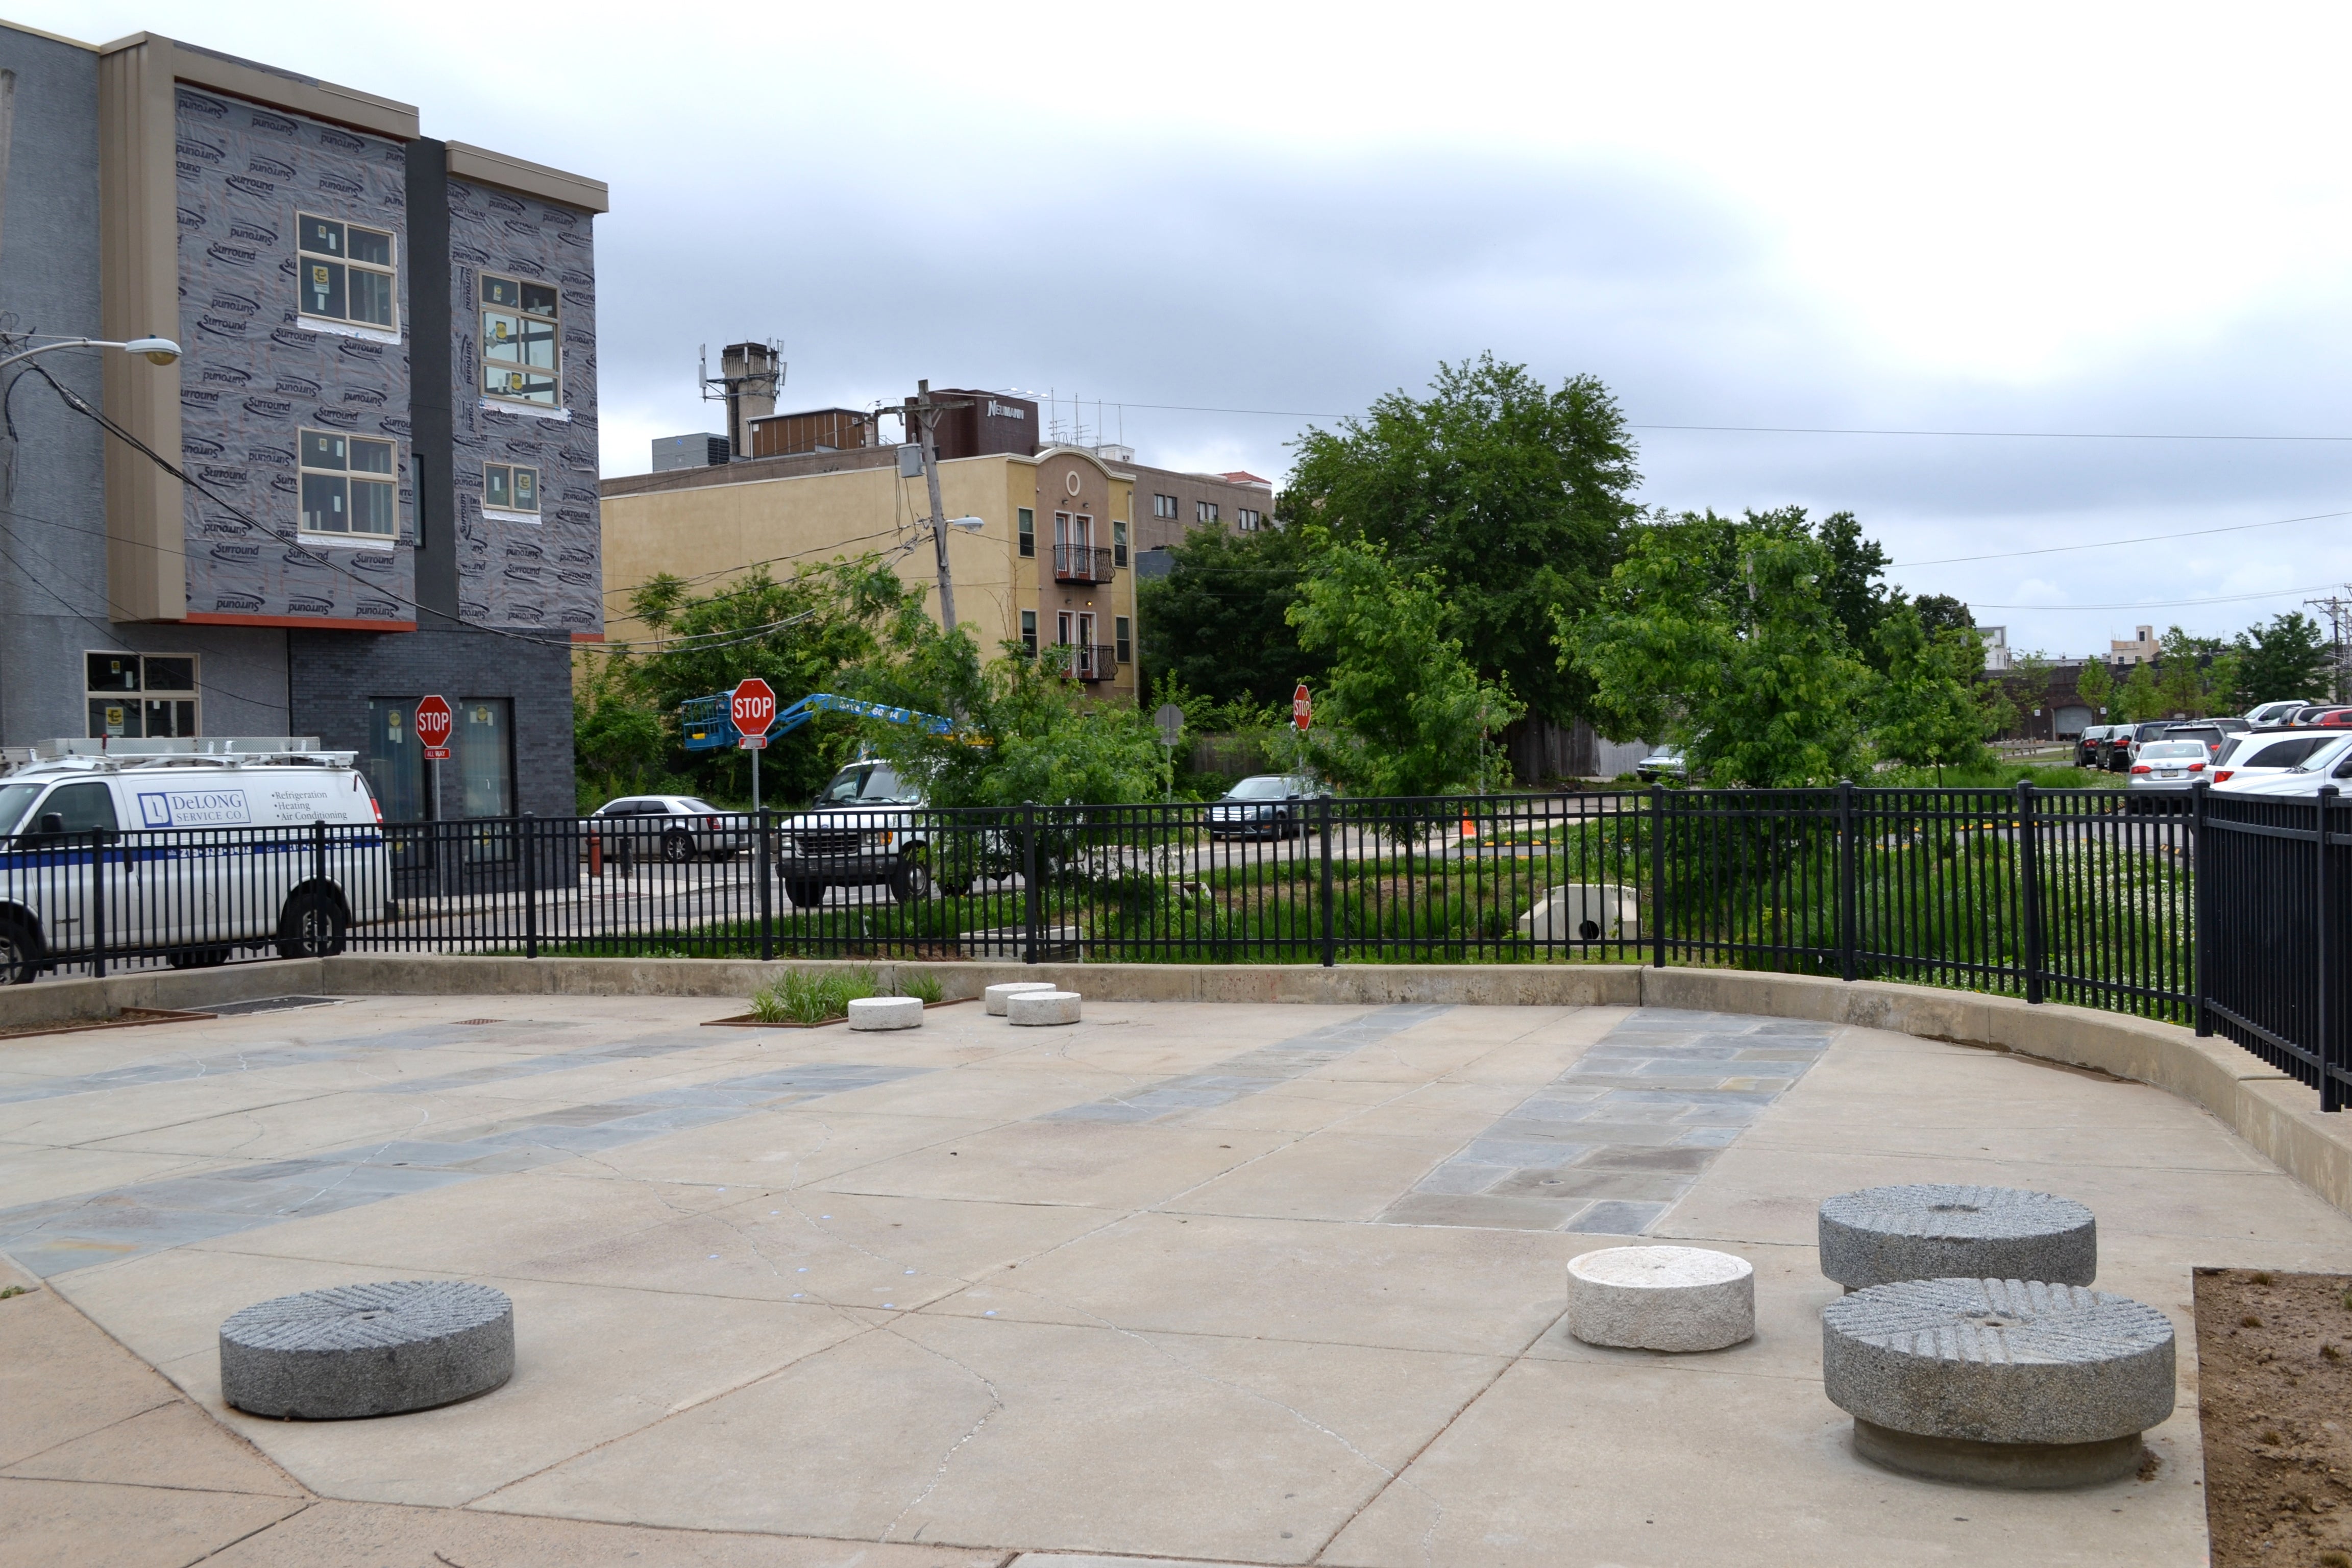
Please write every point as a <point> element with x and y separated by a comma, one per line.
<point>927,411</point>
<point>2338,610</point>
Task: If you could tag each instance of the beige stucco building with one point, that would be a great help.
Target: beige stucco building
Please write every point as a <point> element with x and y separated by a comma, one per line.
<point>1051,566</point>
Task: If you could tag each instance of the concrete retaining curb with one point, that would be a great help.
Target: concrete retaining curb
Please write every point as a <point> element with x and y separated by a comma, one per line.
<point>2278,1116</point>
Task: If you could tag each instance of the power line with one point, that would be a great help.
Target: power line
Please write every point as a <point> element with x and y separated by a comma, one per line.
<point>1802,429</point>
<point>2105,543</point>
<point>2162,603</point>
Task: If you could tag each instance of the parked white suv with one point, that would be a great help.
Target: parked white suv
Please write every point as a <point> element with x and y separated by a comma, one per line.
<point>187,857</point>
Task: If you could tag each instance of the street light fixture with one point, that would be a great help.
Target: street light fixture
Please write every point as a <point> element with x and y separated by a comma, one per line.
<point>155,350</point>
<point>969,524</point>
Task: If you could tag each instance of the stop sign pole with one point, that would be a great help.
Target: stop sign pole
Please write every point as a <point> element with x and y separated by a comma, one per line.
<point>752,706</point>
<point>434,722</point>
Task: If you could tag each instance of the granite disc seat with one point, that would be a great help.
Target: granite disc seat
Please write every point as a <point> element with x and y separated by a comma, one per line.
<point>1940,1231</point>
<point>1661,1298</point>
<point>994,998</point>
<point>1042,1007</point>
<point>885,1012</point>
<point>2003,1382</point>
<point>367,1349</point>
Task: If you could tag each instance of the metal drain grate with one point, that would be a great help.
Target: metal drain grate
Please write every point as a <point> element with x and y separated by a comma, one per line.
<point>272,1005</point>
<point>481,1020</point>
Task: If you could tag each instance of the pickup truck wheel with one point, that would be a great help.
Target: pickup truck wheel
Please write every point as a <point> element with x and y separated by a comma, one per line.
<point>20,954</point>
<point>312,927</point>
<point>803,895</point>
<point>677,848</point>
<point>911,882</point>
<point>197,957</point>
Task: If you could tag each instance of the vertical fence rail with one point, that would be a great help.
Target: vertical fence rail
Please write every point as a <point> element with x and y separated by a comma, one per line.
<point>2222,911</point>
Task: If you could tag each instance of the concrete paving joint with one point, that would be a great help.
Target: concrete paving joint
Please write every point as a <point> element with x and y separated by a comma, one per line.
<point>367,1349</point>
<point>1999,1382</point>
<point>1678,1298</point>
<point>1943,1231</point>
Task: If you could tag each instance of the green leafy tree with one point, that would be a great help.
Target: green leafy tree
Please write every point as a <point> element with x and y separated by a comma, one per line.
<point>1214,625</point>
<point>1025,730</point>
<point>1925,711</point>
<point>1854,586</point>
<point>2285,656</point>
<point>1403,711</point>
<point>618,744</point>
<point>797,634</point>
<point>1942,612</point>
<point>2097,686</point>
<point>1515,492</point>
<point>2183,685</point>
<point>1720,637</point>
<point>2139,699</point>
<point>2028,688</point>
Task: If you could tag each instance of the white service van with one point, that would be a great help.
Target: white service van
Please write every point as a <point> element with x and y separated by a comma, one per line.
<point>190,858</point>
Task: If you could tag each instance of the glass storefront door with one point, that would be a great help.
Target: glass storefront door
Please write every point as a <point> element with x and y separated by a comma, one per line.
<point>485,747</point>
<point>395,760</point>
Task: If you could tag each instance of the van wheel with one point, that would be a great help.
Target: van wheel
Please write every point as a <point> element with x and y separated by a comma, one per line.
<point>312,927</point>
<point>197,957</point>
<point>677,848</point>
<point>804,894</point>
<point>911,882</point>
<point>20,954</point>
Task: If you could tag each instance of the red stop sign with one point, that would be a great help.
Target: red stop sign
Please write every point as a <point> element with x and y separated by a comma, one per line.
<point>1301,710</point>
<point>432,722</point>
<point>753,707</point>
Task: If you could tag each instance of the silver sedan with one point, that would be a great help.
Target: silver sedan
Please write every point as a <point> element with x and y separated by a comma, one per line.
<point>2165,769</point>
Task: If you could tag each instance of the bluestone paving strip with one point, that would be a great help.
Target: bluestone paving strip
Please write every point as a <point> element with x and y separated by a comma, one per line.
<point>1610,1145</point>
<point>66,1234</point>
<point>1254,1072</point>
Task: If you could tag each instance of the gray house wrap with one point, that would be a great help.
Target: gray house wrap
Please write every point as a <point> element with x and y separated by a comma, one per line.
<point>513,573</point>
<point>255,375</point>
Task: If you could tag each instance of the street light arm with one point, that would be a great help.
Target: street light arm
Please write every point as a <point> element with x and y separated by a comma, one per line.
<point>157,351</point>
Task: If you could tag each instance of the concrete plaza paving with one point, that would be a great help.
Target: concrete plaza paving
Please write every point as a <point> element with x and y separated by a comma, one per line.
<point>1268,1284</point>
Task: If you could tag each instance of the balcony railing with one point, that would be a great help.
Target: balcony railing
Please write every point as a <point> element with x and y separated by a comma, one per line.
<point>1085,661</point>
<point>1081,563</point>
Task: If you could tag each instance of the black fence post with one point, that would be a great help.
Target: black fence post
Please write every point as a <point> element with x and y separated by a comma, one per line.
<point>1658,876</point>
<point>1848,966</point>
<point>97,903</point>
<point>1330,933</point>
<point>2028,879</point>
<point>526,842</point>
<point>319,849</point>
<point>1028,882</point>
<point>2331,1058</point>
<point>766,848</point>
<point>2201,907</point>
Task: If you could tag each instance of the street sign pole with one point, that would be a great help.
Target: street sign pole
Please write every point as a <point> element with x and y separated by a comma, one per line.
<point>752,706</point>
<point>434,722</point>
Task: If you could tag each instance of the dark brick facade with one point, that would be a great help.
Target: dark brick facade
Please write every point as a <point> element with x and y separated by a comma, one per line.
<point>334,675</point>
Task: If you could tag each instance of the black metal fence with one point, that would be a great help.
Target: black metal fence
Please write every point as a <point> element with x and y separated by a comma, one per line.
<point>2092,897</point>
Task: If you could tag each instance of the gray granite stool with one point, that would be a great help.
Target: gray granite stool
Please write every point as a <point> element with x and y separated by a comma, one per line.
<point>1999,1382</point>
<point>367,1349</point>
<point>1881,1234</point>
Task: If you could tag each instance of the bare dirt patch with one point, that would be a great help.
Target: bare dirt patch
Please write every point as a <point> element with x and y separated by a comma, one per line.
<point>2274,1399</point>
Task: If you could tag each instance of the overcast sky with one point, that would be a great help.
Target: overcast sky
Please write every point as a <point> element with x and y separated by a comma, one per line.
<point>2122,220</point>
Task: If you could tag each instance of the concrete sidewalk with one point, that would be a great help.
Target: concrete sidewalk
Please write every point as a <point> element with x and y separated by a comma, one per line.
<point>1272,1284</point>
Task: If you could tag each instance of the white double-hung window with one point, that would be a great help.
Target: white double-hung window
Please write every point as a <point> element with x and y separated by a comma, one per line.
<point>521,359</point>
<point>511,489</point>
<point>351,488</point>
<point>347,274</point>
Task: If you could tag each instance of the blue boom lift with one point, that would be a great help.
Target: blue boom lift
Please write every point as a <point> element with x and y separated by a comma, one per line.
<point>706,723</point>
